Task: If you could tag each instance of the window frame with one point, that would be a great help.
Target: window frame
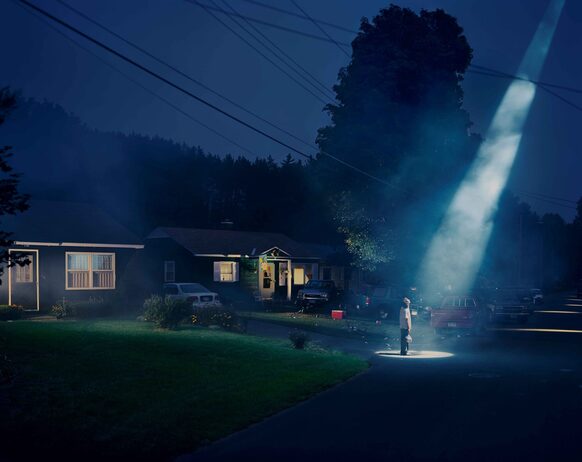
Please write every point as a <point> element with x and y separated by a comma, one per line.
<point>27,269</point>
<point>90,270</point>
<point>173,272</point>
<point>217,274</point>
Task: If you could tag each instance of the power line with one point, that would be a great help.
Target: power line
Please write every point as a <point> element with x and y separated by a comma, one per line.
<point>537,82</point>
<point>546,196</point>
<point>316,24</point>
<point>193,96</point>
<point>194,2</point>
<point>272,25</point>
<point>325,89</point>
<point>491,72</point>
<point>131,79</point>
<point>300,16</point>
<point>273,50</point>
<point>549,201</point>
<point>183,74</point>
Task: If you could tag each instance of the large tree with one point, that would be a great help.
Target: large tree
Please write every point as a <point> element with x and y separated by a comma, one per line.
<point>11,200</point>
<point>398,116</point>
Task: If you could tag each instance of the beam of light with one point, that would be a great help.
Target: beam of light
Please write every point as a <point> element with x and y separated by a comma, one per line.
<point>455,253</point>
<point>572,304</point>
<point>533,329</point>
<point>415,354</point>
<point>557,312</point>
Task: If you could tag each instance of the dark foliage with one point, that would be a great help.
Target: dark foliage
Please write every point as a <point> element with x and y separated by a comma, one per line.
<point>299,339</point>
<point>215,316</point>
<point>10,312</point>
<point>86,309</point>
<point>166,312</point>
<point>399,116</point>
<point>11,200</point>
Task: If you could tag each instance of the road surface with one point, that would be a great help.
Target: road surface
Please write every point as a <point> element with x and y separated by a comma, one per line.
<point>513,393</point>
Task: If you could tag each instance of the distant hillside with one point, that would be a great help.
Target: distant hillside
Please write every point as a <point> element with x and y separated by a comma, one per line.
<point>146,182</point>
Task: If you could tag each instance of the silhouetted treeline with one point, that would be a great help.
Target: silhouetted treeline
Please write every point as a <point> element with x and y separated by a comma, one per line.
<point>146,182</point>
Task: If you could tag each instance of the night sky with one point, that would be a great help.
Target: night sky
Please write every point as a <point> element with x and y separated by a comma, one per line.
<point>45,65</point>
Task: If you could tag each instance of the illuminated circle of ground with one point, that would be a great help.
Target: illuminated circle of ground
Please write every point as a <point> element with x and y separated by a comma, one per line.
<point>423,354</point>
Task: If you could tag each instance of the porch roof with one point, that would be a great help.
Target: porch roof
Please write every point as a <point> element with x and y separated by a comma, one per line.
<point>220,242</point>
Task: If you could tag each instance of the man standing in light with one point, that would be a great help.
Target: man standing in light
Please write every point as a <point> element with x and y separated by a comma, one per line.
<point>456,251</point>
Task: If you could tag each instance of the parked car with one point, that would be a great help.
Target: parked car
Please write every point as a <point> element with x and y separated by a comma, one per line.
<point>508,305</point>
<point>384,302</point>
<point>317,294</point>
<point>193,292</point>
<point>459,312</point>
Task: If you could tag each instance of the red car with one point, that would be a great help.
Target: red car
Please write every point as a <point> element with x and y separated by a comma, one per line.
<point>458,312</point>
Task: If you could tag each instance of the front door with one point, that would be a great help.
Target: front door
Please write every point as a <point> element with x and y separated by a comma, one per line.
<point>23,281</point>
<point>267,280</point>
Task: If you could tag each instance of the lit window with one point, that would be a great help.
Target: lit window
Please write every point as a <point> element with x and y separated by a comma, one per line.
<point>169,271</point>
<point>90,270</point>
<point>23,273</point>
<point>299,276</point>
<point>225,271</point>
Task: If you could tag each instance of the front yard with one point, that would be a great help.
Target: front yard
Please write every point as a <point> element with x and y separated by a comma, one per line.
<point>122,389</point>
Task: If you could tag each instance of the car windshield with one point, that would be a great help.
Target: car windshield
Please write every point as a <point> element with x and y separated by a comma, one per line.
<point>319,285</point>
<point>193,288</point>
<point>507,296</point>
<point>458,302</point>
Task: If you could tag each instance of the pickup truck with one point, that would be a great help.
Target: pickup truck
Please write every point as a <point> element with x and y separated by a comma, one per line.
<point>508,305</point>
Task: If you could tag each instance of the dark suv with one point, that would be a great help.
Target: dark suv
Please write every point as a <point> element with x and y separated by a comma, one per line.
<point>317,294</point>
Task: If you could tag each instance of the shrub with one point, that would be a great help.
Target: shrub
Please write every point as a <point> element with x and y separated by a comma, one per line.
<point>10,312</point>
<point>85,309</point>
<point>218,316</point>
<point>299,339</point>
<point>166,312</point>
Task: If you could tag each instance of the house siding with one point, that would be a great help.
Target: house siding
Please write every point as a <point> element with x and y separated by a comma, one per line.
<point>52,278</point>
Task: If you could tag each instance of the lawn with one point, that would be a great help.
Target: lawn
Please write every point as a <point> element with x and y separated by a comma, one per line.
<point>348,328</point>
<point>123,389</point>
<point>324,324</point>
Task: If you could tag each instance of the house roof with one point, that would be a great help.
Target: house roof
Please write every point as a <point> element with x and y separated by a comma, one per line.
<point>66,222</point>
<point>230,242</point>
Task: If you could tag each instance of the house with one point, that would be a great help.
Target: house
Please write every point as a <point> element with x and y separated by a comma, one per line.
<point>75,251</point>
<point>233,263</point>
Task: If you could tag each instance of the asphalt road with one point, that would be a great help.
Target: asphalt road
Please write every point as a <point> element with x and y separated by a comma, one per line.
<point>513,393</point>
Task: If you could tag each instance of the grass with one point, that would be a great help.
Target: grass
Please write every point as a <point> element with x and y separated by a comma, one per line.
<point>323,324</point>
<point>122,389</point>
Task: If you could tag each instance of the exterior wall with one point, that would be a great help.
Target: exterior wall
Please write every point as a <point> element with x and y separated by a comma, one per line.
<point>188,268</point>
<point>52,275</point>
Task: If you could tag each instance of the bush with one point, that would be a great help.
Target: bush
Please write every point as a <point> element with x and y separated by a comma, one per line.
<point>10,312</point>
<point>299,339</point>
<point>92,308</point>
<point>215,316</point>
<point>166,312</point>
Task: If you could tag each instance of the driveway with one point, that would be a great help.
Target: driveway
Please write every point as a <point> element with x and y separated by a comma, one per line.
<point>511,394</point>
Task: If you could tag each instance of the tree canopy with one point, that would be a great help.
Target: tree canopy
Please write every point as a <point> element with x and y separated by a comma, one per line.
<point>399,116</point>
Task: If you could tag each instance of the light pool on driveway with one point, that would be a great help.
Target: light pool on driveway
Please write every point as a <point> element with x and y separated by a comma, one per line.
<point>415,354</point>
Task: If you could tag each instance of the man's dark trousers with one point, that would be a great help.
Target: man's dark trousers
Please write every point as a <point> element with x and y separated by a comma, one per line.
<point>403,343</point>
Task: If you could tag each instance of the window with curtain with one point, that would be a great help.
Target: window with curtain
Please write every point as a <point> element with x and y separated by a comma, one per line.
<point>226,271</point>
<point>23,273</point>
<point>90,270</point>
<point>299,276</point>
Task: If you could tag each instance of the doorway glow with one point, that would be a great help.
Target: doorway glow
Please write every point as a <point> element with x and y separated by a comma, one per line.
<point>455,253</point>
